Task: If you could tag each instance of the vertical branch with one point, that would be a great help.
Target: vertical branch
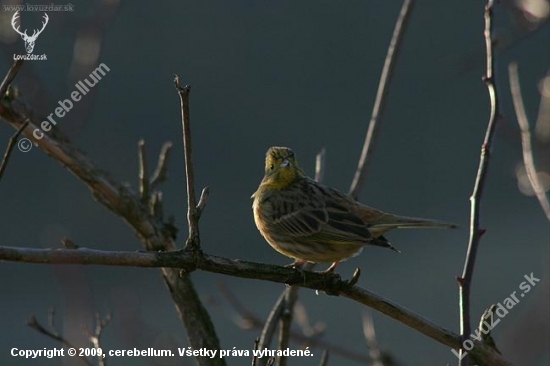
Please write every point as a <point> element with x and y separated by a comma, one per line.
<point>527,149</point>
<point>143,177</point>
<point>370,337</point>
<point>320,166</point>
<point>195,317</point>
<point>192,219</point>
<point>380,101</point>
<point>475,200</point>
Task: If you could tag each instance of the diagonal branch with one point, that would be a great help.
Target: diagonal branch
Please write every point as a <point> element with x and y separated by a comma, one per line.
<point>9,148</point>
<point>154,233</point>
<point>527,149</point>
<point>10,76</point>
<point>328,282</point>
<point>54,334</point>
<point>161,172</point>
<point>476,232</point>
<point>381,94</point>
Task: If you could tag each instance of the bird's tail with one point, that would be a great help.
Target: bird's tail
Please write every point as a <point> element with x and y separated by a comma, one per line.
<point>380,222</point>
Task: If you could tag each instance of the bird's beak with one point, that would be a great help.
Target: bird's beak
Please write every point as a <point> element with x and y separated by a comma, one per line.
<point>285,163</point>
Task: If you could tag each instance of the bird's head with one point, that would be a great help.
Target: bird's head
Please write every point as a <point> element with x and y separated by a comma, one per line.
<point>281,168</point>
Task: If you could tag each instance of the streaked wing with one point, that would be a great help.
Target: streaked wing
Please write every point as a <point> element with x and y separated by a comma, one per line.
<point>318,216</point>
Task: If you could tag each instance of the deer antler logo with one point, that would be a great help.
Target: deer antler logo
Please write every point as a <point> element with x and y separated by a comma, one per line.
<point>29,40</point>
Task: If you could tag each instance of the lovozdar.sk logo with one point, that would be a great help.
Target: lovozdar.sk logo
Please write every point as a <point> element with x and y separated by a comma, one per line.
<point>29,40</point>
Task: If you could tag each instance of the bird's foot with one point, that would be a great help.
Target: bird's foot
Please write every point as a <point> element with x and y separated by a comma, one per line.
<point>297,264</point>
<point>331,268</point>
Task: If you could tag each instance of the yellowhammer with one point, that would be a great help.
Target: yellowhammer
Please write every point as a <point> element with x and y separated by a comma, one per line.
<point>309,222</point>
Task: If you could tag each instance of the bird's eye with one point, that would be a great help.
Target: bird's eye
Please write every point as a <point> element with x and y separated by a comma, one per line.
<point>271,167</point>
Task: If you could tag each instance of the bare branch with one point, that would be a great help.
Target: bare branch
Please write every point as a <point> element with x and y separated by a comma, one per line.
<point>328,282</point>
<point>254,321</point>
<point>202,201</point>
<point>143,177</point>
<point>161,172</point>
<point>370,337</point>
<point>286,321</point>
<point>527,149</point>
<point>271,322</point>
<point>95,337</point>
<point>324,358</point>
<point>9,148</point>
<point>155,234</point>
<point>475,200</point>
<point>542,124</point>
<point>33,323</point>
<point>193,242</point>
<point>10,76</point>
<point>320,165</point>
<point>380,101</point>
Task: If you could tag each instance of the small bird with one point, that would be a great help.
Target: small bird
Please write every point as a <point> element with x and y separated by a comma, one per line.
<point>309,222</point>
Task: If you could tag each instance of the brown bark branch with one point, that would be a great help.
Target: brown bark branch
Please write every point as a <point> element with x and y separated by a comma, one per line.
<point>153,232</point>
<point>327,282</point>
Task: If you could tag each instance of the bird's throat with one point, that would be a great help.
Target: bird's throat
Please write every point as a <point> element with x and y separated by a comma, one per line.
<point>282,178</point>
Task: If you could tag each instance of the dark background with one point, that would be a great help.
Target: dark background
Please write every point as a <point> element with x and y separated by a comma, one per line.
<point>298,74</point>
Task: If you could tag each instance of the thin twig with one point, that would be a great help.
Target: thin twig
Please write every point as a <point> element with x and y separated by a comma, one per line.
<point>324,358</point>
<point>161,172</point>
<point>10,76</point>
<point>370,337</point>
<point>255,322</point>
<point>381,97</point>
<point>475,200</point>
<point>270,325</point>
<point>143,175</point>
<point>194,315</point>
<point>9,148</point>
<point>286,321</point>
<point>95,337</point>
<point>311,339</point>
<point>34,324</point>
<point>254,357</point>
<point>542,124</point>
<point>192,243</point>
<point>527,149</point>
<point>320,165</point>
